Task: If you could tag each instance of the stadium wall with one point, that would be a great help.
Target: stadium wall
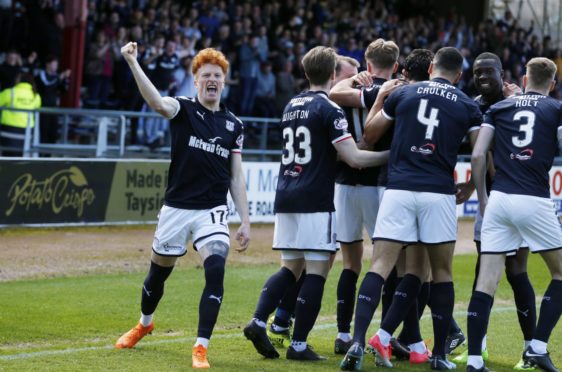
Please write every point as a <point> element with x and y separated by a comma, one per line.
<point>63,192</point>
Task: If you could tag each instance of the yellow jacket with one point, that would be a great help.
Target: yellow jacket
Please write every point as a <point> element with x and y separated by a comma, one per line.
<point>20,96</point>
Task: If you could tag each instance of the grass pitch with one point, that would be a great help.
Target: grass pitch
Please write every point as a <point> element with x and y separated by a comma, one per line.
<point>71,323</point>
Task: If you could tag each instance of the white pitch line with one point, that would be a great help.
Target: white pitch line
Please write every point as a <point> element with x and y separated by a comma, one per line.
<point>320,327</point>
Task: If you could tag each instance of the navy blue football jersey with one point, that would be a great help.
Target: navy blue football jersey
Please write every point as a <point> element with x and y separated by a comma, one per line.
<point>202,142</point>
<point>525,142</point>
<point>356,117</point>
<point>311,124</point>
<point>431,119</point>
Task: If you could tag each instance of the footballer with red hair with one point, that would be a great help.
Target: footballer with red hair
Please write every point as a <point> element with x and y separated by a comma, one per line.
<point>206,162</point>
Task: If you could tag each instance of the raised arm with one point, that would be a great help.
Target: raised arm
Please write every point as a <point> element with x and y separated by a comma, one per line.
<point>238,193</point>
<point>165,106</point>
<point>344,93</point>
<point>355,158</point>
<point>485,137</point>
<point>377,124</point>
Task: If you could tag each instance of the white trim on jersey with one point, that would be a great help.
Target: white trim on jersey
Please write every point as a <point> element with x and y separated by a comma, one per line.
<point>362,96</point>
<point>342,138</point>
<point>388,117</point>
<point>236,151</point>
<point>488,126</point>
<point>472,129</point>
<point>178,108</point>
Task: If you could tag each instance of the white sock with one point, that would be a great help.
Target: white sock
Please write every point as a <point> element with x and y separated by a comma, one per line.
<point>484,344</point>
<point>526,344</point>
<point>538,347</point>
<point>476,361</point>
<point>202,341</point>
<point>259,322</point>
<point>384,336</point>
<point>145,320</point>
<point>418,347</point>
<point>345,337</point>
<point>298,346</point>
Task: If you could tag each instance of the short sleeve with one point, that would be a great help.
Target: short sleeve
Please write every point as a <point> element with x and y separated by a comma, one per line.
<point>239,142</point>
<point>488,120</point>
<point>475,116</point>
<point>389,108</point>
<point>368,96</point>
<point>337,125</point>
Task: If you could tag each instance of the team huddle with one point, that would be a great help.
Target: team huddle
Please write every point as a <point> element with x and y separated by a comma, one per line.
<point>364,150</point>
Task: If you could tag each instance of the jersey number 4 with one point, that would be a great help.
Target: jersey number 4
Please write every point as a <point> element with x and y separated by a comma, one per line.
<point>526,128</point>
<point>303,153</point>
<point>430,121</point>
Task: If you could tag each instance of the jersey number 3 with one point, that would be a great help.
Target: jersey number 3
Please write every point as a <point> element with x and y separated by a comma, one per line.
<point>303,153</point>
<point>430,121</point>
<point>526,128</point>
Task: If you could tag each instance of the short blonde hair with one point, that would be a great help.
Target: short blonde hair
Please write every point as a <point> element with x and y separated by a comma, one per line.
<point>211,56</point>
<point>540,72</point>
<point>319,64</point>
<point>382,54</point>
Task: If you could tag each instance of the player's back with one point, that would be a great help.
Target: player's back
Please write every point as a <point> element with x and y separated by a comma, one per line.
<point>526,142</point>
<point>311,124</point>
<point>431,119</point>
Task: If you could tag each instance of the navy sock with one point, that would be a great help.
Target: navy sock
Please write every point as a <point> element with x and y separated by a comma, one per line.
<point>388,291</point>
<point>404,297</point>
<point>477,321</point>
<point>153,288</point>
<point>212,296</point>
<point>308,306</point>
<point>423,297</point>
<point>347,286</point>
<point>454,326</point>
<point>551,308</point>
<point>410,333</point>
<point>286,308</point>
<point>442,301</point>
<point>525,302</point>
<point>368,298</point>
<point>272,293</point>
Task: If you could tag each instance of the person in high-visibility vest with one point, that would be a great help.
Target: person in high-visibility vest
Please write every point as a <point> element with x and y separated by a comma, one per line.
<point>13,123</point>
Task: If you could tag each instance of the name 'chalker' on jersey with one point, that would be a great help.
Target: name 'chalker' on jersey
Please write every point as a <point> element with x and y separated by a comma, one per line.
<point>525,142</point>
<point>356,117</point>
<point>202,141</point>
<point>432,118</point>
<point>311,124</point>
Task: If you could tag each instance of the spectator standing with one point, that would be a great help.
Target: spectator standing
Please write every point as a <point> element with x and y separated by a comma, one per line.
<point>184,79</point>
<point>12,123</point>
<point>50,85</point>
<point>249,65</point>
<point>100,70</point>
<point>265,92</point>
<point>10,69</point>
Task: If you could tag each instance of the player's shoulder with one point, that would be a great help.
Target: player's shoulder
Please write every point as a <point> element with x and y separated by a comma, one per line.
<point>232,118</point>
<point>323,100</point>
<point>186,101</point>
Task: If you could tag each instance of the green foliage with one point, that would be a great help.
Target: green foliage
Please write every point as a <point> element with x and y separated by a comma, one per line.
<point>70,324</point>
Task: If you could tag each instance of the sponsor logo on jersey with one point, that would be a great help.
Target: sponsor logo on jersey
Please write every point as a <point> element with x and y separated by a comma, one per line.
<point>216,148</point>
<point>202,115</point>
<point>526,154</point>
<point>229,125</point>
<point>240,140</point>
<point>213,140</point>
<point>295,172</point>
<point>425,149</point>
<point>340,124</point>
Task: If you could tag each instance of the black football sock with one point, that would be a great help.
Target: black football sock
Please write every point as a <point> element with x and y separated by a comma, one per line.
<point>404,297</point>
<point>347,286</point>
<point>410,333</point>
<point>211,298</point>
<point>525,302</point>
<point>454,327</point>
<point>423,297</point>
<point>272,293</point>
<point>308,306</point>
<point>477,321</point>
<point>153,288</point>
<point>368,298</point>
<point>551,308</point>
<point>390,285</point>
<point>442,301</point>
<point>286,308</point>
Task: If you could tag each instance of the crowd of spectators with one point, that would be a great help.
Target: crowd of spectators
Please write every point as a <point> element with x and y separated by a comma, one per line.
<point>263,39</point>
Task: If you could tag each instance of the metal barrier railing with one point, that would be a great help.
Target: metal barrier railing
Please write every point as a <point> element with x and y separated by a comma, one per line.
<point>258,132</point>
<point>113,121</point>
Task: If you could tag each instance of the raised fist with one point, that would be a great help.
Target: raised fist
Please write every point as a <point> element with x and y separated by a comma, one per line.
<point>129,51</point>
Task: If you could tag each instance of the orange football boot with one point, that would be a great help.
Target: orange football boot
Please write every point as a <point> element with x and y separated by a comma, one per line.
<point>130,339</point>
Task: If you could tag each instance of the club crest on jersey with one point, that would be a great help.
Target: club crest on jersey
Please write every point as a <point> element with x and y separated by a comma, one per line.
<point>425,149</point>
<point>230,125</point>
<point>340,124</point>
<point>526,154</point>
<point>295,172</point>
